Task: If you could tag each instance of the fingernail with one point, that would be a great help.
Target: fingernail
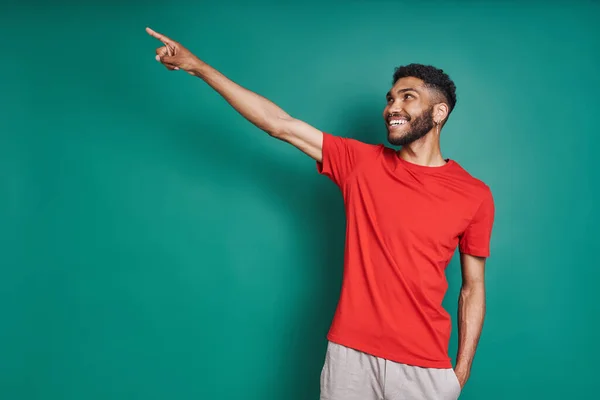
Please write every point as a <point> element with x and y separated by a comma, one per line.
<point>157,58</point>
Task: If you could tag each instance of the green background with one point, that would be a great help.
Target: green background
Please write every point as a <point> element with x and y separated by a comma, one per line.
<point>156,245</point>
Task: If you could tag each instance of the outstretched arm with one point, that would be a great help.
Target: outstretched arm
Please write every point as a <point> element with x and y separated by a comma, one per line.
<point>260,111</point>
<point>471,313</point>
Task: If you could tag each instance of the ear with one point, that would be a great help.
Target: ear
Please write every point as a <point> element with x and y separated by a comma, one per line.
<point>440,112</point>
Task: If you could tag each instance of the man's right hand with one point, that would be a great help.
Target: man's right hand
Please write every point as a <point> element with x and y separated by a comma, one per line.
<point>173,55</point>
<point>260,111</point>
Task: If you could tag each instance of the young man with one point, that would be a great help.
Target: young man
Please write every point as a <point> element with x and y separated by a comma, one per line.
<point>407,212</point>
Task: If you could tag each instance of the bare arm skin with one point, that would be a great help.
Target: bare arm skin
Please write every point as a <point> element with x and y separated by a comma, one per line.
<point>471,313</point>
<point>260,111</point>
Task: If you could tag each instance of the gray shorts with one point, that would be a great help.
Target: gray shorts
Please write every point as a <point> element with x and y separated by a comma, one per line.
<point>349,374</point>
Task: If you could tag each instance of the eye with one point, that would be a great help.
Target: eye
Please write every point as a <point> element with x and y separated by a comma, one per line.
<point>408,96</point>
<point>389,100</point>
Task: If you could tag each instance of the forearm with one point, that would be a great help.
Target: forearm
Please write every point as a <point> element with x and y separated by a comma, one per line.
<point>260,111</point>
<point>471,313</point>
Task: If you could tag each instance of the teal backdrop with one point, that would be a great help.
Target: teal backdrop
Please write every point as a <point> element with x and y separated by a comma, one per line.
<point>156,245</point>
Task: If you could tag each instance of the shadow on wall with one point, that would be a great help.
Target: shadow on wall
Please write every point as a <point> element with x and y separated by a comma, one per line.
<point>319,206</point>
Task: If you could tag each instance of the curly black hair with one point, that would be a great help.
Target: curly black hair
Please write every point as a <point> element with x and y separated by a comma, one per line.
<point>433,78</point>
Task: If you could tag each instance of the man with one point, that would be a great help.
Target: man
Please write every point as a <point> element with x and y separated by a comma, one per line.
<point>407,212</point>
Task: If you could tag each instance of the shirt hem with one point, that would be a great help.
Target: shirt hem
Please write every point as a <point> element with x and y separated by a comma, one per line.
<point>402,359</point>
<point>474,251</point>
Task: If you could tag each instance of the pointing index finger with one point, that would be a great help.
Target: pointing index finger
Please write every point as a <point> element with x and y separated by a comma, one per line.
<point>159,36</point>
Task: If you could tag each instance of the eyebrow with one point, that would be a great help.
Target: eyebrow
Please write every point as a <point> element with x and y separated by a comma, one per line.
<point>388,94</point>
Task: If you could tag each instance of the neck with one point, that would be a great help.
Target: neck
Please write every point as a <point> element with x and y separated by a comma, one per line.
<point>425,151</point>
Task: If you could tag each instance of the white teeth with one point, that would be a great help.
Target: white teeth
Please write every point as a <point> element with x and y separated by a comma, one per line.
<point>398,122</point>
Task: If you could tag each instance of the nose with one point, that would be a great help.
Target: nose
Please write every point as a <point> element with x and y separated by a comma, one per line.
<point>394,108</point>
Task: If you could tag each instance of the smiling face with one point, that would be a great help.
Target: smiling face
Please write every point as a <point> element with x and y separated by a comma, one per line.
<point>408,114</point>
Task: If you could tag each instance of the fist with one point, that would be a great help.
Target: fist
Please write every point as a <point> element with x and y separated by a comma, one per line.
<point>173,55</point>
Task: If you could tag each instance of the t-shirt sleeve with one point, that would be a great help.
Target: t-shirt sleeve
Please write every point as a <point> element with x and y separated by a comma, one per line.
<point>475,240</point>
<point>341,156</point>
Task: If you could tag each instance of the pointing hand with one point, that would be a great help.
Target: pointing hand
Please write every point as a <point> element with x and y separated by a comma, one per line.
<point>173,55</point>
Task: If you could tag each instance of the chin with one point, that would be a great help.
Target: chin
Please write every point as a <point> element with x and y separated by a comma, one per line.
<point>394,138</point>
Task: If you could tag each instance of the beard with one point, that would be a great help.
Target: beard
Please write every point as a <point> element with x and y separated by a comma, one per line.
<point>419,127</point>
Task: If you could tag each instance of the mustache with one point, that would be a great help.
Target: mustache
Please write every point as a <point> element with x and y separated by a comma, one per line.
<point>390,115</point>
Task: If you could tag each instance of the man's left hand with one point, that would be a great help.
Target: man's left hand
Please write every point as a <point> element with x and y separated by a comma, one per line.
<point>462,377</point>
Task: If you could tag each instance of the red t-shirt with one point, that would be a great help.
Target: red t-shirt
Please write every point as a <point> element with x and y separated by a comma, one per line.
<point>404,223</point>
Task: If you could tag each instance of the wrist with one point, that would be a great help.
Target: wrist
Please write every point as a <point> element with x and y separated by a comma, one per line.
<point>197,68</point>
<point>462,369</point>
